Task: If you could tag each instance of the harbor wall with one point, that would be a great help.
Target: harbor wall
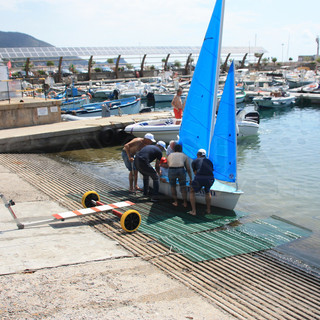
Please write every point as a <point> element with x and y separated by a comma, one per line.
<point>20,114</point>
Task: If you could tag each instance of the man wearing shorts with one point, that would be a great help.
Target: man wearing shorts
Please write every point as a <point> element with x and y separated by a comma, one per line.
<point>203,171</point>
<point>128,152</point>
<point>177,105</point>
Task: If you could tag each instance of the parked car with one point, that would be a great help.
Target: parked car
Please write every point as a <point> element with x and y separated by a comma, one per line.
<point>66,72</point>
<point>23,74</point>
<point>81,70</point>
<point>106,69</point>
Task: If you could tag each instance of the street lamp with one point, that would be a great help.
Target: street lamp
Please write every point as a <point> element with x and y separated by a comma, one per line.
<point>282,50</point>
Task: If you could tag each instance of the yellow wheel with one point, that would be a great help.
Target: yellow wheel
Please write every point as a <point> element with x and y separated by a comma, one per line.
<point>130,220</point>
<point>88,197</point>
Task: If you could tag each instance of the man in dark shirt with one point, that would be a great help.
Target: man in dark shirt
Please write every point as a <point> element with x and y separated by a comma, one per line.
<point>142,162</point>
<point>203,177</point>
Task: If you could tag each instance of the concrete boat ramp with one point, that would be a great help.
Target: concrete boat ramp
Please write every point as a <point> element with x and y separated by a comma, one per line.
<point>86,133</point>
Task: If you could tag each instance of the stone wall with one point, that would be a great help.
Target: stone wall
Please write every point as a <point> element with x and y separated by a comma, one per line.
<point>23,114</point>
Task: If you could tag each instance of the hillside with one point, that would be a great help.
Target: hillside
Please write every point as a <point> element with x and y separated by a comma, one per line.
<point>19,40</point>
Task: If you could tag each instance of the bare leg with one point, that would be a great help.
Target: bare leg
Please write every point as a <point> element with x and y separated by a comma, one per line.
<point>208,202</point>
<point>174,196</point>
<point>131,181</point>
<point>193,202</point>
<point>184,196</point>
<point>136,188</point>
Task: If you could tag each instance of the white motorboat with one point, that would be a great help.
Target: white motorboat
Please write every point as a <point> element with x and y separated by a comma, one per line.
<point>162,129</point>
<point>247,122</point>
<point>168,129</point>
<point>310,87</point>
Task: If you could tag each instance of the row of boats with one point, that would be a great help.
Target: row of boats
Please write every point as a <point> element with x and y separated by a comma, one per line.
<point>168,129</point>
<point>125,98</point>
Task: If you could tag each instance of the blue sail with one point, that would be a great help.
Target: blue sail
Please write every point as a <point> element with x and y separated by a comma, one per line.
<point>224,143</point>
<point>199,114</point>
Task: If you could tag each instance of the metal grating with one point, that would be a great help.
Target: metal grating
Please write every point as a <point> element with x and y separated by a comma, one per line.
<point>250,286</point>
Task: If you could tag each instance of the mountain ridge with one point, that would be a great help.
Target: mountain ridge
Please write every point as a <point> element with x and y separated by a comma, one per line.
<point>11,39</point>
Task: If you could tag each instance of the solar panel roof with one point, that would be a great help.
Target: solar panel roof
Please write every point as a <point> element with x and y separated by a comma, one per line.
<point>35,52</point>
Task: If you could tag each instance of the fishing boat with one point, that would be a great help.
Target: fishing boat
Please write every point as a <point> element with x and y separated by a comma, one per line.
<point>201,129</point>
<point>167,129</point>
<point>69,105</point>
<point>112,107</point>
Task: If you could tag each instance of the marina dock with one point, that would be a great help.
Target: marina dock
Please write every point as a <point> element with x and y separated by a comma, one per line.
<point>64,135</point>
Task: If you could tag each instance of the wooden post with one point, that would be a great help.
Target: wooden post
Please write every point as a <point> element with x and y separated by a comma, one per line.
<point>89,67</point>
<point>259,61</point>
<point>187,69</point>
<point>59,69</point>
<point>166,62</point>
<point>142,65</point>
<point>27,67</point>
<point>117,66</point>
<point>243,60</point>
<point>224,67</point>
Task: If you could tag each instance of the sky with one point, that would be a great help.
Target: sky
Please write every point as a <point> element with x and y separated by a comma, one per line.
<point>285,29</point>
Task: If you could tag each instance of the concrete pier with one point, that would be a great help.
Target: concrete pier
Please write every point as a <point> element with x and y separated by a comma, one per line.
<point>65,135</point>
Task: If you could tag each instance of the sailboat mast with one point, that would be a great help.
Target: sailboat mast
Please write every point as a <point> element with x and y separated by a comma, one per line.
<point>216,85</point>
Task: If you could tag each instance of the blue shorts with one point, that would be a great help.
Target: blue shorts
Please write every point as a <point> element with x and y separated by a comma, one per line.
<point>130,165</point>
<point>202,182</point>
<point>177,173</point>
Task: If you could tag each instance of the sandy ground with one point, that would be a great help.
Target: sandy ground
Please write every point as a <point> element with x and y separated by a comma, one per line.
<point>110,287</point>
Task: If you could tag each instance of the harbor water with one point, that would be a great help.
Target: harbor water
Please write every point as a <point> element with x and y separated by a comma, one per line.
<point>278,171</point>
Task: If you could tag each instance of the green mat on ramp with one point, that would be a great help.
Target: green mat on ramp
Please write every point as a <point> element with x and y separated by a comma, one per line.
<point>251,237</point>
<point>167,224</point>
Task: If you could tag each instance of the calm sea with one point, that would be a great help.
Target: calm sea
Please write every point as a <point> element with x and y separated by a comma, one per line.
<point>278,170</point>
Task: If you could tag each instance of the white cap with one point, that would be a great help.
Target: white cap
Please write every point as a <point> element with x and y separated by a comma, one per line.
<point>202,152</point>
<point>162,144</point>
<point>149,136</point>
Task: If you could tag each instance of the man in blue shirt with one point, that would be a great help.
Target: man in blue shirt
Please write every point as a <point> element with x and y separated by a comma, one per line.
<point>142,162</point>
<point>203,178</point>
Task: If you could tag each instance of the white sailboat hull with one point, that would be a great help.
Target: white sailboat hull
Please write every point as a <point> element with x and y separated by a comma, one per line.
<point>222,195</point>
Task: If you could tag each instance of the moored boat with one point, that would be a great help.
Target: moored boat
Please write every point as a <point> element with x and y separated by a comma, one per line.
<point>274,100</point>
<point>112,107</point>
<point>167,129</point>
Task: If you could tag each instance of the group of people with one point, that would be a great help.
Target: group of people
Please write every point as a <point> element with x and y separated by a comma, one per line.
<point>139,153</point>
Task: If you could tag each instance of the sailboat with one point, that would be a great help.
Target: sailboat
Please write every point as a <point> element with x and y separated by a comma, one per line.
<point>201,129</point>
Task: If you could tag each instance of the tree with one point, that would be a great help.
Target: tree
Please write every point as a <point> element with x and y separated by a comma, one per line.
<point>110,61</point>
<point>50,63</point>
<point>129,66</point>
<point>177,64</point>
<point>290,59</point>
<point>274,60</point>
